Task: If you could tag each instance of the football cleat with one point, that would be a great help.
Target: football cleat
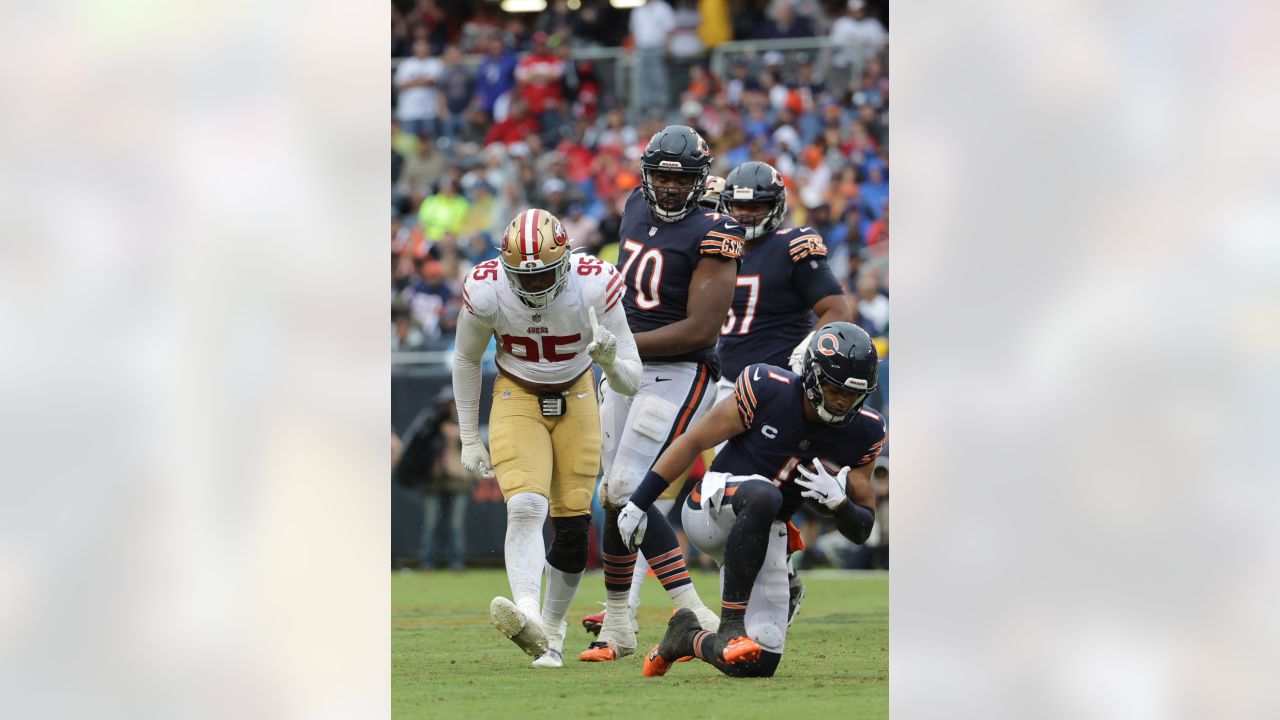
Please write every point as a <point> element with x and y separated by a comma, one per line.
<point>676,645</point>
<point>740,649</point>
<point>600,651</point>
<point>525,633</point>
<point>552,658</point>
<point>796,590</point>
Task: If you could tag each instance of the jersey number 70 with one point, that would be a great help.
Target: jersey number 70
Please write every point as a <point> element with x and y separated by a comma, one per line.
<point>649,261</point>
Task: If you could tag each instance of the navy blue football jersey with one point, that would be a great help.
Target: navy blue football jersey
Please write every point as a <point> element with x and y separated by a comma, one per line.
<point>657,261</point>
<point>778,437</point>
<point>782,276</point>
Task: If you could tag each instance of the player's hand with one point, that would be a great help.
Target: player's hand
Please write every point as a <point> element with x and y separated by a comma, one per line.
<point>475,458</point>
<point>632,522</point>
<point>713,484</point>
<point>711,198</point>
<point>604,344</point>
<point>821,486</point>
<point>796,361</point>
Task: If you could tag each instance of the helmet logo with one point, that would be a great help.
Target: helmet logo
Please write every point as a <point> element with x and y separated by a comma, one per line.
<point>823,341</point>
<point>702,149</point>
<point>777,177</point>
<point>558,235</point>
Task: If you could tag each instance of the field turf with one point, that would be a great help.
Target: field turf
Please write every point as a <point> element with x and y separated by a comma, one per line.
<point>447,660</point>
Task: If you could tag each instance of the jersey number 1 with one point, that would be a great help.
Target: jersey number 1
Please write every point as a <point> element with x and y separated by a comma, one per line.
<point>651,258</point>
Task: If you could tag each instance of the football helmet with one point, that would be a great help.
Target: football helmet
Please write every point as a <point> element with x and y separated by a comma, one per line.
<point>840,355</point>
<point>755,182</point>
<point>535,255</point>
<point>680,150</point>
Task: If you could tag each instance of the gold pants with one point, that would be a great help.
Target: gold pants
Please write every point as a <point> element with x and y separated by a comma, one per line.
<point>555,457</point>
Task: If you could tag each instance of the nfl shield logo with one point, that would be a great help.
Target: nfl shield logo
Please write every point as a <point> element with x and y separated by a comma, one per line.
<point>537,317</point>
<point>653,231</point>
<point>804,444</point>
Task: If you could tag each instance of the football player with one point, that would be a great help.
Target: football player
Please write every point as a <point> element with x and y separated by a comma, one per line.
<point>785,289</point>
<point>784,282</point>
<point>679,261</point>
<point>790,437</point>
<point>553,313</point>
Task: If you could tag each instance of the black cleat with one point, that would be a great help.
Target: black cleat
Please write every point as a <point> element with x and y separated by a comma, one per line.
<point>676,644</point>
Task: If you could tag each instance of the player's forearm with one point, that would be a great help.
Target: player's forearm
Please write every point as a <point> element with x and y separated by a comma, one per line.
<point>466,393</point>
<point>625,375</point>
<point>854,521</point>
<point>839,311</point>
<point>679,455</point>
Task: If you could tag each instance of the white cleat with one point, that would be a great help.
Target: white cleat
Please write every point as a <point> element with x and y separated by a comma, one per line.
<point>554,656</point>
<point>550,659</point>
<point>529,636</point>
<point>707,619</point>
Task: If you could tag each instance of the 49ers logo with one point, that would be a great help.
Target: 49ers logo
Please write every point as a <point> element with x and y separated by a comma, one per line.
<point>828,338</point>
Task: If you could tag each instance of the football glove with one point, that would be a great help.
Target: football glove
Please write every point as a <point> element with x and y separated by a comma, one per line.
<point>475,458</point>
<point>604,344</point>
<point>821,486</point>
<point>796,361</point>
<point>632,522</point>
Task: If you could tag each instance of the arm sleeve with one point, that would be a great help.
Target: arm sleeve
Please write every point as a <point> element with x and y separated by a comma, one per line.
<point>745,396</point>
<point>626,373</point>
<point>814,279</point>
<point>472,339</point>
<point>854,521</point>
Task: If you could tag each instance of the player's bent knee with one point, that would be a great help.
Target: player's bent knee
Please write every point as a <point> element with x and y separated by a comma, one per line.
<point>769,636</point>
<point>654,417</point>
<point>527,507</point>
<point>568,551</point>
<point>761,495</point>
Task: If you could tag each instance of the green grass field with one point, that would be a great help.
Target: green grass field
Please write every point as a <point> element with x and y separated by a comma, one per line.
<point>448,661</point>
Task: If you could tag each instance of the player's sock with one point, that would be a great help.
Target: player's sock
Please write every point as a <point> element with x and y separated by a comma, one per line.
<point>662,549</point>
<point>707,648</point>
<point>755,504</point>
<point>525,550</point>
<point>565,562</point>
<point>618,567</point>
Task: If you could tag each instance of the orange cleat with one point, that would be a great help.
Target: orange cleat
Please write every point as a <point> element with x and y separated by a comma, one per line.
<point>740,649</point>
<point>600,651</point>
<point>654,664</point>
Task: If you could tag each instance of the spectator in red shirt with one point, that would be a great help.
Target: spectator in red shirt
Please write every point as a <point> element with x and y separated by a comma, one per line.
<point>540,82</point>
<point>516,127</point>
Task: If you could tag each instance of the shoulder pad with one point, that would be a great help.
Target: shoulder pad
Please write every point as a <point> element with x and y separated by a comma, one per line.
<point>806,243</point>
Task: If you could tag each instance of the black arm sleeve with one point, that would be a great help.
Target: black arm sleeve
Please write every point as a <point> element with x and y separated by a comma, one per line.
<point>814,279</point>
<point>854,521</point>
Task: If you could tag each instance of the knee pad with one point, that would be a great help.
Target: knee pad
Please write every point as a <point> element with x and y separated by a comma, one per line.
<point>527,508</point>
<point>760,495</point>
<point>568,551</point>
<point>654,417</point>
<point>768,635</point>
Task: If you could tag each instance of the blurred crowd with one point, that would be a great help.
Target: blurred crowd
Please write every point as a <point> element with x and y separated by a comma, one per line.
<point>494,114</point>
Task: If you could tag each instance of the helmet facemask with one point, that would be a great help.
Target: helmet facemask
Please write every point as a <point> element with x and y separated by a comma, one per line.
<point>538,299</point>
<point>679,200</point>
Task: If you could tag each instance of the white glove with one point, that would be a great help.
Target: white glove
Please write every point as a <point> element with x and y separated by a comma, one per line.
<point>711,198</point>
<point>822,486</point>
<point>632,522</point>
<point>604,344</point>
<point>796,361</point>
<point>475,458</point>
<point>713,484</point>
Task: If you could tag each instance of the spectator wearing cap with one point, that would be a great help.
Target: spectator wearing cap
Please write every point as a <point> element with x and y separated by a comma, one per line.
<point>419,105</point>
<point>651,26</point>
<point>856,36</point>
<point>456,84</point>
<point>444,211</point>
<point>552,196</point>
<point>540,82</point>
<point>479,248</point>
<point>495,76</point>
<point>741,83</point>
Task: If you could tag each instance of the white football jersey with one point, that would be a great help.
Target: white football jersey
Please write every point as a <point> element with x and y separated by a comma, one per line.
<point>545,345</point>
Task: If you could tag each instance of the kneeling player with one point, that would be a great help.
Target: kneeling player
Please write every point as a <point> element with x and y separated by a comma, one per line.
<point>790,437</point>
<point>542,303</point>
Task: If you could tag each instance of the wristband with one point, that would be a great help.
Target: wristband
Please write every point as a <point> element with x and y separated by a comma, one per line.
<point>650,488</point>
